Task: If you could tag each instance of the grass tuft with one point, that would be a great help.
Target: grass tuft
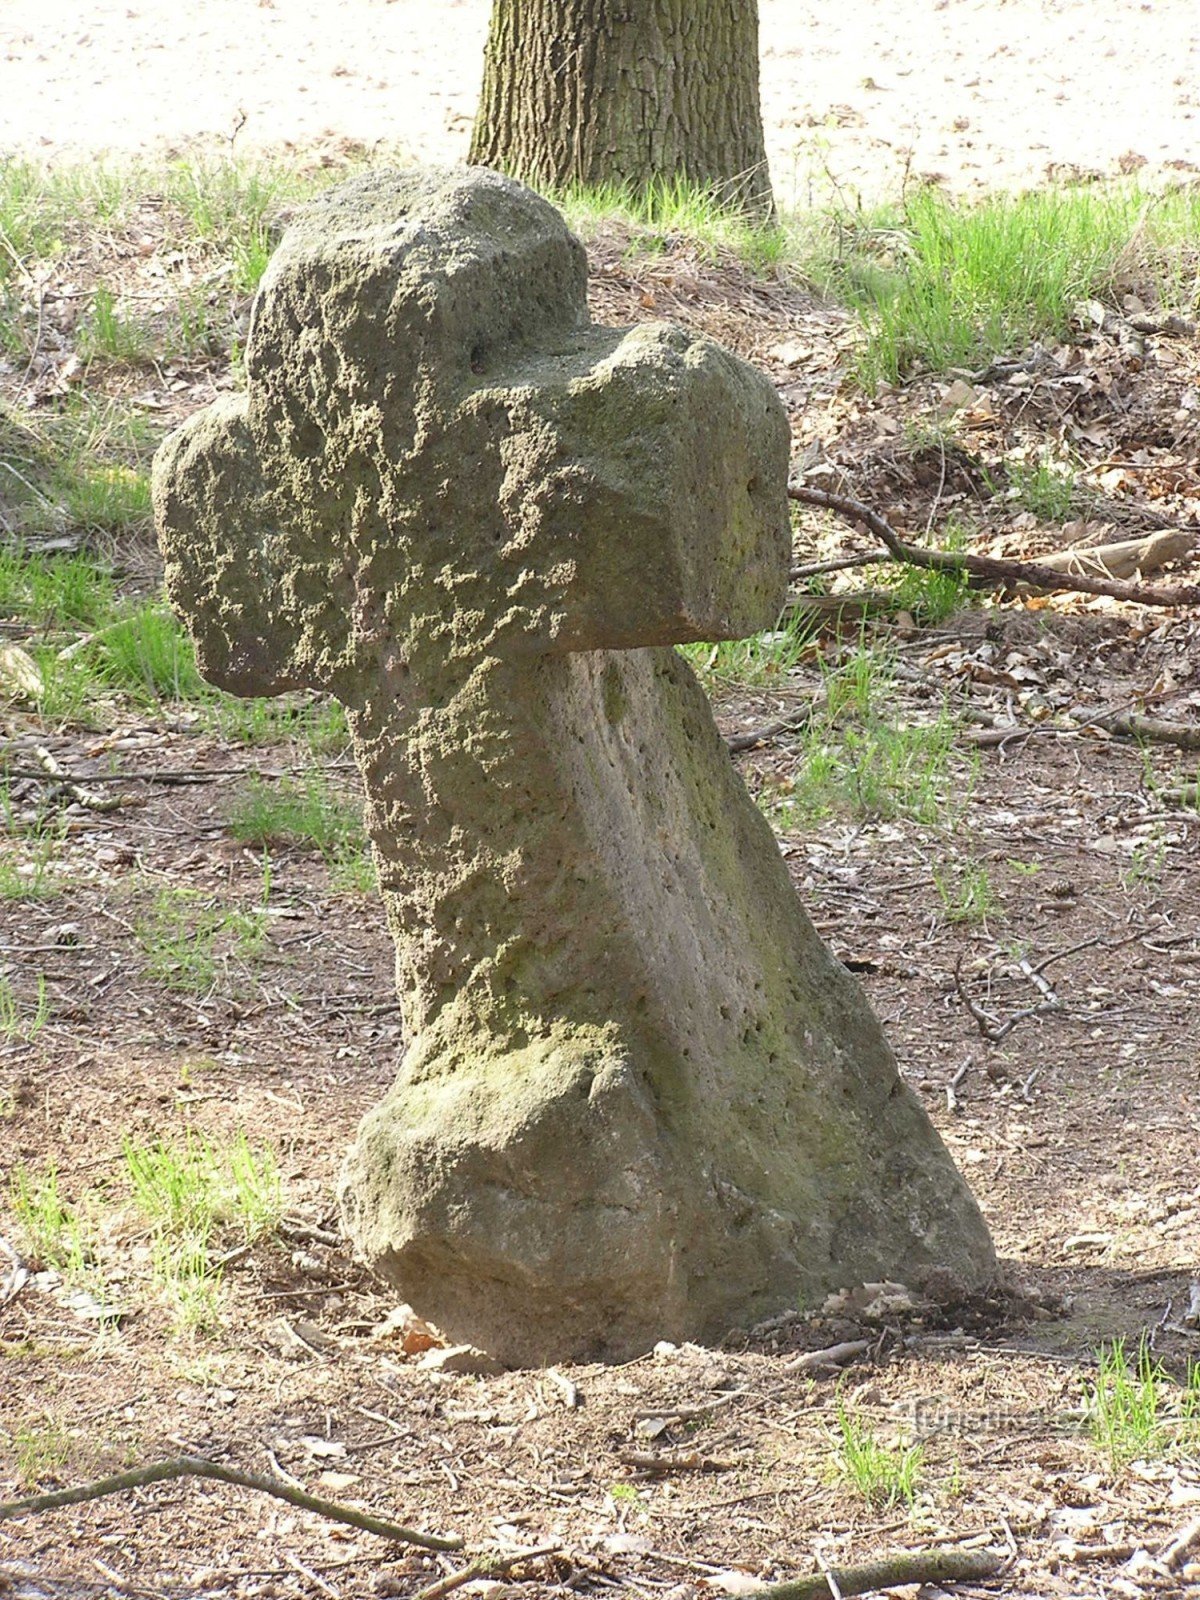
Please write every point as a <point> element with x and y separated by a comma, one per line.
<point>188,944</point>
<point>307,814</point>
<point>884,1475</point>
<point>1134,1410</point>
<point>54,1233</point>
<point>674,208</point>
<point>188,1190</point>
<point>942,284</point>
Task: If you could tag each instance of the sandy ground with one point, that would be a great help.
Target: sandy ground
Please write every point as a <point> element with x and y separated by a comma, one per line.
<point>982,93</point>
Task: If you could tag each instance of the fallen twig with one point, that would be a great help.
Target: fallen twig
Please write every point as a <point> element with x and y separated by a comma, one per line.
<point>836,1355</point>
<point>956,1082</point>
<point>908,1566</point>
<point>992,1029</point>
<point>657,1463</point>
<point>489,1565</point>
<point>82,795</point>
<point>568,1390</point>
<point>1179,1546</point>
<point>197,1467</point>
<point>1145,554</point>
<point>992,569</point>
<point>792,723</point>
<point>816,569</point>
<point>1132,725</point>
<point>688,1413</point>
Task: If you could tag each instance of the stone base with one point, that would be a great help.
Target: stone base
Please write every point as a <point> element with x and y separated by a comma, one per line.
<point>735,1140</point>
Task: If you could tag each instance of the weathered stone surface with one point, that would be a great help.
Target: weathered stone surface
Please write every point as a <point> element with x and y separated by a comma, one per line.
<point>639,1099</point>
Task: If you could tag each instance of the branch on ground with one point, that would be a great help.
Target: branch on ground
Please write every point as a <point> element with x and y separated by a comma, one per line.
<point>197,1467</point>
<point>909,1566</point>
<point>1132,725</point>
<point>992,570</point>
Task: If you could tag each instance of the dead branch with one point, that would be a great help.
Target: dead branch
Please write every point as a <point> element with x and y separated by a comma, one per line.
<point>1176,1550</point>
<point>816,569</point>
<point>1132,725</point>
<point>688,1413</point>
<point>792,723</point>
<point>197,1467</point>
<point>489,1565</point>
<point>656,1463</point>
<point>569,1391</point>
<point>1127,558</point>
<point>992,1029</point>
<point>837,1355</point>
<point>81,795</point>
<point>992,570</point>
<point>908,1566</point>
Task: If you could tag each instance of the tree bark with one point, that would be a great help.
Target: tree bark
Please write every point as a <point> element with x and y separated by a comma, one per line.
<point>628,92</point>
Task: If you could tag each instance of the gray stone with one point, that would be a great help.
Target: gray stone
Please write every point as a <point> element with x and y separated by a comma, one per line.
<point>639,1098</point>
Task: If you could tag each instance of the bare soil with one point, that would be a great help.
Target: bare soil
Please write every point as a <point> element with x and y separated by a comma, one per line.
<point>1077,1129</point>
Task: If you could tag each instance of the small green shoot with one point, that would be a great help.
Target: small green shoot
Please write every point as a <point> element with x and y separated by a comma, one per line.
<point>318,723</point>
<point>190,1186</point>
<point>54,591</point>
<point>884,1475</point>
<point>188,1190</point>
<point>1134,1410</point>
<point>40,1452</point>
<point>763,659</point>
<point>148,655</point>
<point>19,1023</point>
<point>107,498</point>
<point>188,943</point>
<point>966,894</point>
<point>1023,869</point>
<point>1045,488</point>
<point>308,813</point>
<point>54,1233</point>
<point>27,862</point>
<point>107,333</point>
<point>626,1494</point>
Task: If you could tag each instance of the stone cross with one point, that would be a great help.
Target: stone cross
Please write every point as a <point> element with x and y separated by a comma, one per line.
<point>639,1098</point>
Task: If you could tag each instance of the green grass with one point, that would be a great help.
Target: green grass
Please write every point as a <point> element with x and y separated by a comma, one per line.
<point>675,208</point>
<point>53,1231</point>
<point>311,814</point>
<point>873,771</point>
<point>318,723</point>
<point>191,1191</point>
<point>109,333</point>
<point>40,1452</point>
<point>929,595</point>
<point>855,758</point>
<point>54,591</point>
<point>191,1186</point>
<point>1044,487</point>
<point>109,498</point>
<point>22,1021</point>
<point>965,893</point>
<point>148,655</point>
<point>189,944</point>
<point>28,855</point>
<point>942,284</point>
<point>79,469</point>
<point>1135,1412</point>
<point>763,659</point>
<point>884,1475</point>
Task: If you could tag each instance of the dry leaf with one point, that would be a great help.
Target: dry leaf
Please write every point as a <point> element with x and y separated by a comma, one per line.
<point>19,674</point>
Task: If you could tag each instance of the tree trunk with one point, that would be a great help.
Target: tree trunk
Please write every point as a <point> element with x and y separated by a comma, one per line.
<point>628,92</point>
